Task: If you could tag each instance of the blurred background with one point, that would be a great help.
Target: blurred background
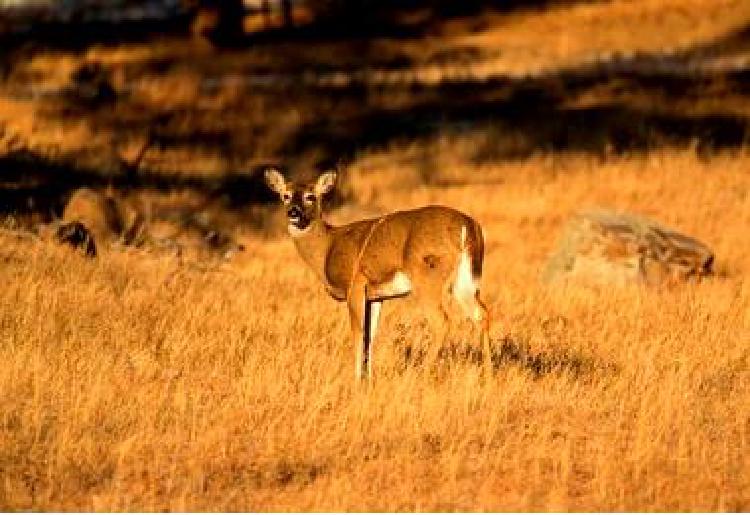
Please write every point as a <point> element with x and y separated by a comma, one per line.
<point>179,102</point>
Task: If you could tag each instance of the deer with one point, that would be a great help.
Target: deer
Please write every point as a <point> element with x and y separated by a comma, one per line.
<point>93,217</point>
<point>94,220</point>
<point>432,253</point>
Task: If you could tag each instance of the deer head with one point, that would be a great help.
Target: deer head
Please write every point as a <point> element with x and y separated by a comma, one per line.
<point>303,201</point>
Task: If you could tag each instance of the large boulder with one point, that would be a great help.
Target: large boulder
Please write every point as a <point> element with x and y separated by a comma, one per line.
<point>616,248</point>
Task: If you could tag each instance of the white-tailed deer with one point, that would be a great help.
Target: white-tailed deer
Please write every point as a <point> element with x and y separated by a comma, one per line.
<point>92,218</point>
<point>99,219</point>
<point>433,252</point>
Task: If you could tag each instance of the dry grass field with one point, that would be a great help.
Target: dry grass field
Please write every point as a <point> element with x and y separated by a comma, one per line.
<point>140,381</point>
<point>134,383</point>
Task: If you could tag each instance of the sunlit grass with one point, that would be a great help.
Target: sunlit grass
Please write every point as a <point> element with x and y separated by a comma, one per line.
<point>132,382</point>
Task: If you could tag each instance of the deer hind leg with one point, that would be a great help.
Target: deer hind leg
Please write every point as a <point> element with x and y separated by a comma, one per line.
<point>439,323</point>
<point>431,276</point>
<point>466,292</point>
<point>477,312</point>
<point>429,294</point>
<point>483,322</point>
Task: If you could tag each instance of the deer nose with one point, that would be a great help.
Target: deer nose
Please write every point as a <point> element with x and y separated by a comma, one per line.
<point>294,212</point>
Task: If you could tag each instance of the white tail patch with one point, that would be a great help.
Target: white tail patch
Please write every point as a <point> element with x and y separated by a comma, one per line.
<point>465,285</point>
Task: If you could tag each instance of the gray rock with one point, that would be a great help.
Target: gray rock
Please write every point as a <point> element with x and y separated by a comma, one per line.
<point>616,248</point>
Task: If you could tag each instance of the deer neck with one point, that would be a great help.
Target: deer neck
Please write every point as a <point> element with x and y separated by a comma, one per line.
<point>312,244</point>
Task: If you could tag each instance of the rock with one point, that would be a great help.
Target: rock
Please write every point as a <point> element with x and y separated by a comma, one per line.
<point>605,247</point>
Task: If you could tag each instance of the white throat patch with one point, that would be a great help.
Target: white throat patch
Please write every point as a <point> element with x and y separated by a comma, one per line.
<point>296,232</point>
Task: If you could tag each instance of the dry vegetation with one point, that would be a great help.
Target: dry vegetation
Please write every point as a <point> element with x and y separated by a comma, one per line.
<point>137,381</point>
<point>134,383</point>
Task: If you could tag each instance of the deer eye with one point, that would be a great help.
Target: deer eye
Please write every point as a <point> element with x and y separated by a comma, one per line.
<point>286,197</point>
<point>309,198</point>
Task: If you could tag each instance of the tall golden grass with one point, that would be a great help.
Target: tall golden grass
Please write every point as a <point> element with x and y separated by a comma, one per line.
<point>132,382</point>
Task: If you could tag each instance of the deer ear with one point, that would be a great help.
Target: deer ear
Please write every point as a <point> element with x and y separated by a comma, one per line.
<point>275,180</point>
<point>325,183</point>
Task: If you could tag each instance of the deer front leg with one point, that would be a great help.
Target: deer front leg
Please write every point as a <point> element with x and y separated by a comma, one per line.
<point>372,316</point>
<point>358,315</point>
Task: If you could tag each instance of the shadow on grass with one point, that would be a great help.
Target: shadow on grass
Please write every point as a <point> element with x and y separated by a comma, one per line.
<point>34,185</point>
<point>616,107</point>
<point>511,353</point>
<point>637,111</point>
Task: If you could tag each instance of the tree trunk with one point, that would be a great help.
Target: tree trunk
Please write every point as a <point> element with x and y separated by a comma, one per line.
<point>288,15</point>
<point>265,7</point>
<point>219,19</point>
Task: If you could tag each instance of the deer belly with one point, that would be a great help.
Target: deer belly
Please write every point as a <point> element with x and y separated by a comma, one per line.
<point>397,286</point>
